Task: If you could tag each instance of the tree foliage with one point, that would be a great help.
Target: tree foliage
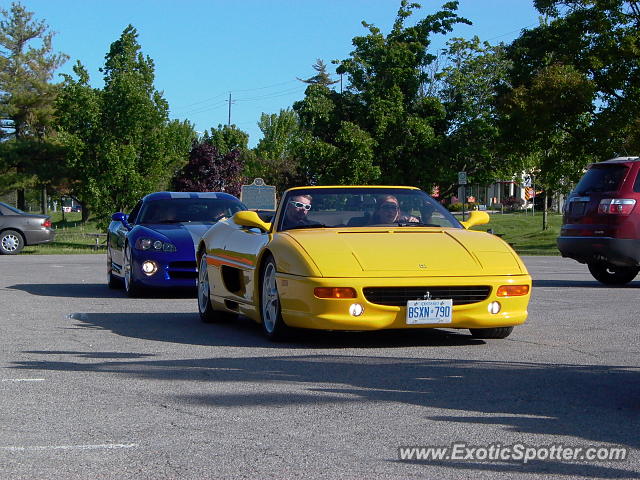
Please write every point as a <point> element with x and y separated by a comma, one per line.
<point>27,64</point>
<point>381,127</point>
<point>320,78</point>
<point>575,87</point>
<point>209,170</point>
<point>120,142</point>
<point>276,158</point>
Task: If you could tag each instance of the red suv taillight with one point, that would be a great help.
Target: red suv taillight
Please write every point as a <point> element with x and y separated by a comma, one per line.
<point>616,206</point>
<point>46,223</point>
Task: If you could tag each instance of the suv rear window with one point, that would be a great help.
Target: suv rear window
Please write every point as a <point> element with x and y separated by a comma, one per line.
<point>601,178</point>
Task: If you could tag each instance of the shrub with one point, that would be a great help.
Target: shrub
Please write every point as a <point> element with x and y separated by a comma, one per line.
<point>513,204</point>
<point>457,207</point>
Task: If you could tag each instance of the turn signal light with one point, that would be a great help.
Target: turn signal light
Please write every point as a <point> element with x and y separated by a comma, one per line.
<point>334,292</point>
<point>512,290</point>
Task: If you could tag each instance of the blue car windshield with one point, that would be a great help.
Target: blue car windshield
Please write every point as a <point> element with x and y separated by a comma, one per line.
<point>178,210</point>
<point>337,207</point>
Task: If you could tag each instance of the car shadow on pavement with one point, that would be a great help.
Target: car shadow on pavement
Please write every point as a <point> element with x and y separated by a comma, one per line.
<point>96,290</point>
<point>594,404</point>
<point>186,328</point>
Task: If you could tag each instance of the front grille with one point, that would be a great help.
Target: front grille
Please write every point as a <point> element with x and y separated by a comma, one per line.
<point>185,269</point>
<point>398,296</point>
<point>184,265</point>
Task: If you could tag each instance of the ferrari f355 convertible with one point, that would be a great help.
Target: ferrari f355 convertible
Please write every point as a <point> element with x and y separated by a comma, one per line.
<point>361,258</point>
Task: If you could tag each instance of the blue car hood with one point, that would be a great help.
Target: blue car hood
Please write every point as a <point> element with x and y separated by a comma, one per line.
<point>181,233</point>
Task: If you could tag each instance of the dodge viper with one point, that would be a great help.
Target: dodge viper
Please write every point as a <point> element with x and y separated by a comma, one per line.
<point>154,245</point>
<point>361,258</point>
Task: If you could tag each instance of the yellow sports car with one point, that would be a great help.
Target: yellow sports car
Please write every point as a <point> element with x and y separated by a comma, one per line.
<point>361,258</point>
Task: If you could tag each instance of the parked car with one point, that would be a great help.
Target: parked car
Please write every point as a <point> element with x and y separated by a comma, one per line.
<point>361,258</point>
<point>18,229</point>
<point>601,221</point>
<point>153,246</point>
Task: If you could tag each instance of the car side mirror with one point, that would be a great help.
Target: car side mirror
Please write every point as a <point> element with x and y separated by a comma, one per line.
<point>122,218</point>
<point>250,219</point>
<point>476,217</point>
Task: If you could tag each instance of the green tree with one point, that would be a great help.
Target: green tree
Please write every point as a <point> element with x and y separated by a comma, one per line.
<point>320,78</point>
<point>467,87</point>
<point>398,128</point>
<point>577,78</point>
<point>120,142</point>
<point>27,64</point>
<point>276,160</point>
<point>227,138</point>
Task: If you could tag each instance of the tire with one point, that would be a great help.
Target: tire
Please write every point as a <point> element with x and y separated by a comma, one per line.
<point>497,332</point>
<point>130,286</point>
<point>112,281</point>
<point>611,274</point>
<point>206,311</point>
<point>273,325</point>
<point>11,242</point>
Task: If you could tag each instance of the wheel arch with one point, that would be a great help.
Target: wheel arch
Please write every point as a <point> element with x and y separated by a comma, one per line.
<point>15,229</point>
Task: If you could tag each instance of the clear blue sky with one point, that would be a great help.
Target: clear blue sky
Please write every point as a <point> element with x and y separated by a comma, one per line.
<point>255,49</point>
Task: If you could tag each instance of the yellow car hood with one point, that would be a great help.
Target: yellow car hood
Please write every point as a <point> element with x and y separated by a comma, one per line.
<point>407,251</point>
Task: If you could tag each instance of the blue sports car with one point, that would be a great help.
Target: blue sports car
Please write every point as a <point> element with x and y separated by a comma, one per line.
<point>153,246</point>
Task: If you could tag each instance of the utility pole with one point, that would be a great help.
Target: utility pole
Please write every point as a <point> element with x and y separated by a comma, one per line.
<point>230,102</point>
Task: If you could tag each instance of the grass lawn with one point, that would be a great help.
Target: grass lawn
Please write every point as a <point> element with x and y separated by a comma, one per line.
<point>522,230</point>
<point>72,236</point>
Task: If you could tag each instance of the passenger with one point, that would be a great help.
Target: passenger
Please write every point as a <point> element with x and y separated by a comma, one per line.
<point>388,211</point>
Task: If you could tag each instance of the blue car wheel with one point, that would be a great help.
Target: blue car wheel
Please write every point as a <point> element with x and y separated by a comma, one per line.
<point>130,286</point>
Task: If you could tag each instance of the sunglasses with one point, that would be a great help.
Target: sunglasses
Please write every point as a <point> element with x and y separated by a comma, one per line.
<point>389,206</point>
<point>306,206</point>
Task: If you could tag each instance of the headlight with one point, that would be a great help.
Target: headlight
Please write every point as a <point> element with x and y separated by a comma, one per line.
<point>147,244</point>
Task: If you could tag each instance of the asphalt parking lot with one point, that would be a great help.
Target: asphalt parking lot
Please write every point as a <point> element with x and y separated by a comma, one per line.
<point>96,385</point>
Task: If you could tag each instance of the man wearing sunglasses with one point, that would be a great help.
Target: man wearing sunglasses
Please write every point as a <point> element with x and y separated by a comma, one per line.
<point>296,212</point>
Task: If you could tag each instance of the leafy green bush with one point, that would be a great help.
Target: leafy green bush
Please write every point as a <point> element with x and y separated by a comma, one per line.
<point>457,207</point>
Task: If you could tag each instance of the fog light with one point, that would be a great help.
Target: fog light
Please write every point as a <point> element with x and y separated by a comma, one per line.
<point>494,307</point>
<point>149,267</point>
<point>355,309</point>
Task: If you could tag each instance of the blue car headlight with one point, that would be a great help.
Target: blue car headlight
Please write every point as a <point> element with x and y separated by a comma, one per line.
<point>149,244</point>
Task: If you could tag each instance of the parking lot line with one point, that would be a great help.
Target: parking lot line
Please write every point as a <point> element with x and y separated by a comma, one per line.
<point>107,446</point>
<point>15,380</point>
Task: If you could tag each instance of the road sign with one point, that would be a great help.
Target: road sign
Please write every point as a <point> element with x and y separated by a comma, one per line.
<point>258,196</point>
<point>462,178</point>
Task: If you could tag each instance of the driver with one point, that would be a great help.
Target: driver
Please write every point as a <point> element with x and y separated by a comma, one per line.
<point>296,212</point>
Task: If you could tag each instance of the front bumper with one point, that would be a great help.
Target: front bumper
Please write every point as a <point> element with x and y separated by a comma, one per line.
<point>172,271</point>
<point>621,252</point>
<point>300,308</point>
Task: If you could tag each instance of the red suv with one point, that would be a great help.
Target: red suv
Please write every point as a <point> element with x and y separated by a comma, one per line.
<point>601,222</point>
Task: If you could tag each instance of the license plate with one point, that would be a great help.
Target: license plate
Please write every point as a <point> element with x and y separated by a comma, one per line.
<point>429,311</point>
